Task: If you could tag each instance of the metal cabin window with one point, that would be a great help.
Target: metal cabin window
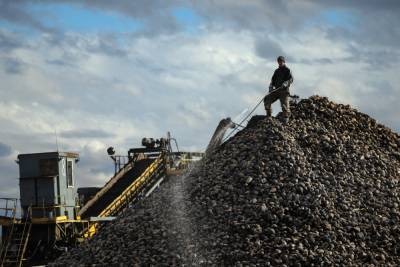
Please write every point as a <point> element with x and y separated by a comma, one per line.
<point>70,180</point>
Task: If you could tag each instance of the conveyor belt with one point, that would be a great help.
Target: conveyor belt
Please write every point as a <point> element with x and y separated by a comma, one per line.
<point>108,197</point>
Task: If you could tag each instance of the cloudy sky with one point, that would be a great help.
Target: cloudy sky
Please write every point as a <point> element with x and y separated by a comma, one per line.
<point>101,73</point>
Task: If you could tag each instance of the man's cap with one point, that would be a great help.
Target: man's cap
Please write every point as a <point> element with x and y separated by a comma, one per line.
<point>281,58</point>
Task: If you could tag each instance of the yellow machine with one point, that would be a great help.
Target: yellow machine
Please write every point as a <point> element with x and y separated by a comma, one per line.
<point>50,217</point>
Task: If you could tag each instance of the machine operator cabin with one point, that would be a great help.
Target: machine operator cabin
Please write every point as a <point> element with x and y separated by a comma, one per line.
<point>47,184</point>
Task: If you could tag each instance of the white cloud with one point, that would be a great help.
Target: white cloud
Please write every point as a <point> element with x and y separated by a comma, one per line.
<point>312,44</point>
<point>125,87</point>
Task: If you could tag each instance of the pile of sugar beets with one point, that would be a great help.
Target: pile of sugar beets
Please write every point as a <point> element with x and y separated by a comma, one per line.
<point>322,189</point>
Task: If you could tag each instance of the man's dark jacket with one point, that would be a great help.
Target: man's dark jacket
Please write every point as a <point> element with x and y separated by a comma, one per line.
<point>281,75</point>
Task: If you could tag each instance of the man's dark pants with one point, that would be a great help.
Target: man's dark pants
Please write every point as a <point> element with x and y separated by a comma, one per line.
<point>283,95</point>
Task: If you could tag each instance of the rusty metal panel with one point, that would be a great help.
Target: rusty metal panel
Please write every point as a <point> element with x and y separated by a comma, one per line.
<point>48,167</point>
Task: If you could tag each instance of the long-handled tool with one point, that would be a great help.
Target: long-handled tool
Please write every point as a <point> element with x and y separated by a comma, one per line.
<point>237,125</point>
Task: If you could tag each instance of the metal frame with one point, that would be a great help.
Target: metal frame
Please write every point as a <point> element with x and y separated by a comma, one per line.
<point>16,257</point>
<point>132,189</point>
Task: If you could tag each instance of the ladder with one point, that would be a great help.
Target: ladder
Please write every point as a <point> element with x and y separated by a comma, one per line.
<point>17,242</point>
<point>6,241</point>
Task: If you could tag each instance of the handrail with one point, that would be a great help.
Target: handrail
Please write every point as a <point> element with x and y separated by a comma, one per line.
<point>7,208</point>
<point>4,247</point>
<point>132,188</point>
<point>52,207</point>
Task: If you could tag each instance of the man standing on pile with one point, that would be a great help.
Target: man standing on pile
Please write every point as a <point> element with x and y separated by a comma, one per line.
<point>279,87</point>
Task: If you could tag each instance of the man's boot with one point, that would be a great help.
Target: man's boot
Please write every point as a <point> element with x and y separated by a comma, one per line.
<point>285,117</point>
<point>269,113</point>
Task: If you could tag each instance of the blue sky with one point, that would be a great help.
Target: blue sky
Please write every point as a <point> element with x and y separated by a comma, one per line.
<point>109,73</point>
<point>339,18</point>
<point>186,16</point>
<point>76,18</point>
<point>335,19</point>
